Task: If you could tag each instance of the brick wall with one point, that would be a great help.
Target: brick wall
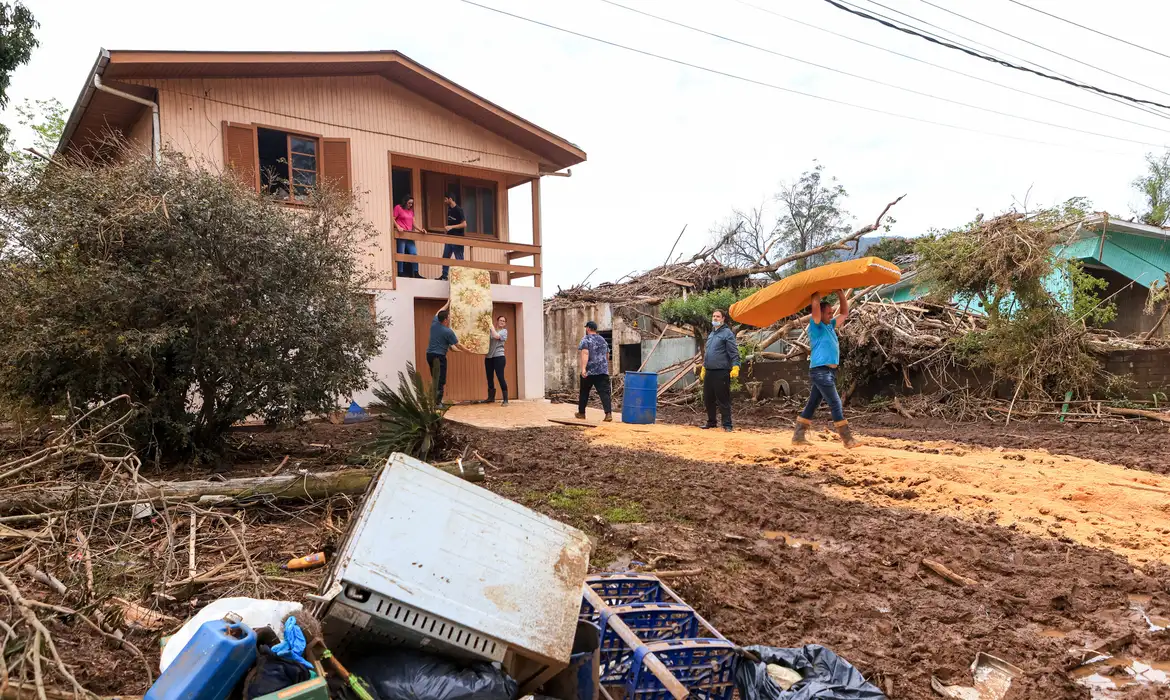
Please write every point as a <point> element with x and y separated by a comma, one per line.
<point>1148,370</point>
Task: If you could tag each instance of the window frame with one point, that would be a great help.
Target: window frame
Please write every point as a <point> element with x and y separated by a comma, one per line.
<point>288,153</point>
<point>463,182</point>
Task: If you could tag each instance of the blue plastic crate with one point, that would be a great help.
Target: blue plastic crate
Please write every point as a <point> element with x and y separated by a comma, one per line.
<point>623,588</point>
<point>650,622</point>
<point>706,667</point>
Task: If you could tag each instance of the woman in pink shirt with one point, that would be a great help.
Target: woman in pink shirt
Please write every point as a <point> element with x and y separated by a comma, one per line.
<point>404,221</point>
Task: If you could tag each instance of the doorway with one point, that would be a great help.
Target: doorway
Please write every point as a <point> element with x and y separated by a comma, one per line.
<point>466,379</point>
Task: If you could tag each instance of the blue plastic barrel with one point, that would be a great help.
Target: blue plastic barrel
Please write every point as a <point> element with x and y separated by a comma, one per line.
<point>640,397</point>
<point>208,668</point>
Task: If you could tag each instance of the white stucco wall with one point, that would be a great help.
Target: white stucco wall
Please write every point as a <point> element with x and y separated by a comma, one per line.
<point>398,305</point>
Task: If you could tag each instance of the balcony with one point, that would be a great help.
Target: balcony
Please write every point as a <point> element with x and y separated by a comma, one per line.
<point>506,253</point>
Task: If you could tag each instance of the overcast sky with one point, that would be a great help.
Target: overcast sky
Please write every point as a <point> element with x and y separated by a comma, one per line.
<point>670,145</point>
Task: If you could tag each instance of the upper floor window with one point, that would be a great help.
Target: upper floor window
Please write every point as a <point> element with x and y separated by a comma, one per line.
<point>285,164</point>
<point>288,163</point>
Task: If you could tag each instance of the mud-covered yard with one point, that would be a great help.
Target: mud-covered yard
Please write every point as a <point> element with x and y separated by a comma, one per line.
<point>1059,536</point>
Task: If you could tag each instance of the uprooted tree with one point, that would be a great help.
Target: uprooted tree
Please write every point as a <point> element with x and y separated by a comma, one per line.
<point>205,302</point>
<point>1038,305</point>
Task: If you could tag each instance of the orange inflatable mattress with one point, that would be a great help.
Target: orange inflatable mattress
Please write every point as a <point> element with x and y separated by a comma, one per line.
<point>794,292</point>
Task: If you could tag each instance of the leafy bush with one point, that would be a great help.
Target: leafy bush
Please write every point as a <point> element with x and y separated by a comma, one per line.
<point>411,420</point>
<point>204,301</point>
<point>891,247</point>
<point>696,309</point>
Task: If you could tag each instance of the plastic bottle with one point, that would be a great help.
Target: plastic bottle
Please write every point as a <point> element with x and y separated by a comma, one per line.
<point>307,562</point>
<point>209,666</point>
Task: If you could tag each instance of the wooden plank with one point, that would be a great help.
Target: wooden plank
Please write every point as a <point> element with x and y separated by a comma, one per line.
<point>499,267</point>
<point>653,663</point>
<point>470,241</point>
<point>536,233</point>
<point>519,275</point>
<point>519,254</point>
<point>655,347</point>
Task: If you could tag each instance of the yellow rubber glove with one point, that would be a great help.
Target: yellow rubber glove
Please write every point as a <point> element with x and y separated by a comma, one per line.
<point>703,374</point>
<point>734,372</point>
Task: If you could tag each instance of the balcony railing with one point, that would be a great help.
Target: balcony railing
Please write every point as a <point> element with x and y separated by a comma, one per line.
<point>512,252</point>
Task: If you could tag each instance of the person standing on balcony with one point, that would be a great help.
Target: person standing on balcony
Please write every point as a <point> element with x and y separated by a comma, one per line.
<point>442,339</point>
<point>720,366</point>
<point>593,360</point>
<point>495,361</point>
<point>824,356</point>
<point>404,221</point>
<point>456,226</point>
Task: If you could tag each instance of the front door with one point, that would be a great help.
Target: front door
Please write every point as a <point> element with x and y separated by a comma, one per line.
<point>466,378</point>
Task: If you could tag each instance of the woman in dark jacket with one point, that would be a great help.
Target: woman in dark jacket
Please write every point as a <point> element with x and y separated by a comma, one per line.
<point>720,366</point>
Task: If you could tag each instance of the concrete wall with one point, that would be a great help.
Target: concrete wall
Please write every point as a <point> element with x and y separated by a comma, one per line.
<point>563,330</point>
<point>1149,370</point>
<point>398,306</point>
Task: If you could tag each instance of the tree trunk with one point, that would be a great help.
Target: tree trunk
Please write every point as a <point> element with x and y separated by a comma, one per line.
<point>285,487</point>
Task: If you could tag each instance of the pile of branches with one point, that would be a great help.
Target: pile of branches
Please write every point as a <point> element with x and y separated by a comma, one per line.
<point>651,287</point>
<point>98,560</point>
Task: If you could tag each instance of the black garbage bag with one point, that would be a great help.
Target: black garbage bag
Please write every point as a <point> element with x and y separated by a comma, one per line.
<point>825,676</point>
<point>272,673</point>
<point>415,675</point>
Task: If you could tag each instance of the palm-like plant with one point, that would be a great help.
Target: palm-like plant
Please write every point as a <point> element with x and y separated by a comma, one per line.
<point>411,421</point>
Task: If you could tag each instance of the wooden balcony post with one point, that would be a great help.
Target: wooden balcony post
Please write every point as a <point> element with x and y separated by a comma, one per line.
<point>536,228</point>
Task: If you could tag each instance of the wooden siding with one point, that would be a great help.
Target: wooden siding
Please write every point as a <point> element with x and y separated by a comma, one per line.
<point>141,131</point>
<point>379,118</point>
<point>466,376</point>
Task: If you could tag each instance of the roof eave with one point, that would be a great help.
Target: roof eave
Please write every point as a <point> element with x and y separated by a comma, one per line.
<point>79,107</point>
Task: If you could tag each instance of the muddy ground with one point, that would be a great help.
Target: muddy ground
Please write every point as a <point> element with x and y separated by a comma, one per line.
<point>1144,445</point>
<point>786,556</point>
<point>784,564</point>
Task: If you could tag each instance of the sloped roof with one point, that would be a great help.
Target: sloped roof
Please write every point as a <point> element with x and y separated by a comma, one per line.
<point>94,110</point>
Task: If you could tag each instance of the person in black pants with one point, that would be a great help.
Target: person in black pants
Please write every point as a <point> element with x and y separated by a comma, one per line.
<point>593,357</point>
<point>441,340</point>
<point>495,361</point>
<point>456,226</point>
<point>720,366</point>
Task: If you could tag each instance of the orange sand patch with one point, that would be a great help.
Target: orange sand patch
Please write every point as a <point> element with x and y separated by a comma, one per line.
<point>1092,503</point>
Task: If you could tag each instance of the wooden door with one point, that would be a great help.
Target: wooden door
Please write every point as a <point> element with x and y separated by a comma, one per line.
<point>466,378</point>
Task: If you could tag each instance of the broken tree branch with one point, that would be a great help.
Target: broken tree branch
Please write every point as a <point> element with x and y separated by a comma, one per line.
<point>835,245</point>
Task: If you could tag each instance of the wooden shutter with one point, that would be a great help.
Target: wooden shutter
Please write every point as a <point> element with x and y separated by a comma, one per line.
<point>335,163</point>
<point>241,155</point>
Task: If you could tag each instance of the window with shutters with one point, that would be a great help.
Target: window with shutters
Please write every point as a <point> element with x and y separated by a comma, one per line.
<point>288,163</point>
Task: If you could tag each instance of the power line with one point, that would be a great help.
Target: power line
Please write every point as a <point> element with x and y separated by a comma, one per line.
<point>951,70</point>
<point>992,49</point>
<point>1089,29</point>
<point>992,59</point>
<point>874,80</point>
<point>1044,48</point>
<point>715,71</point>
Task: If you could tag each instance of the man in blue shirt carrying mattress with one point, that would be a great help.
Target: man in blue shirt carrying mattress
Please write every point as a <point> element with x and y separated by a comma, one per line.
<point>824,356</point>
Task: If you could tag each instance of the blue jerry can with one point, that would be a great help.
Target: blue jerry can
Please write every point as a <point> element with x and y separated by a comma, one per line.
<point>208,668</point>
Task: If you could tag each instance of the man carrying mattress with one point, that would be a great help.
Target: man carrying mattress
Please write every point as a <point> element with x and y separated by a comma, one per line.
<point>824,356</point>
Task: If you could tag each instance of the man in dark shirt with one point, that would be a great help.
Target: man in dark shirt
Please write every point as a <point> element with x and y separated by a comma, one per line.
<point>456,226</point>
<point>593,360</point>
<point>442,339</point>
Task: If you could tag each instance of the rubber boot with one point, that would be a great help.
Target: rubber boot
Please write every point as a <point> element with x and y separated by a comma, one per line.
<point>846,434</point>
<point>579,416</point>
<point>800,437</point>
<point>491,397</point>
<point>505,397</point>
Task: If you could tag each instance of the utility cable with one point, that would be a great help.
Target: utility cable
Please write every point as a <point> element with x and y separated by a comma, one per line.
<point>947,69</point>
<point>753,81</point>
<point>992,59</point>
<point>1089,29</point>
<point>1043,48</point>
<point>874,80</point>
<point>993,50</point>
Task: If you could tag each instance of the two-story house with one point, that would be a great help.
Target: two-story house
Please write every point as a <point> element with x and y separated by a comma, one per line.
<point>375,122</point>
